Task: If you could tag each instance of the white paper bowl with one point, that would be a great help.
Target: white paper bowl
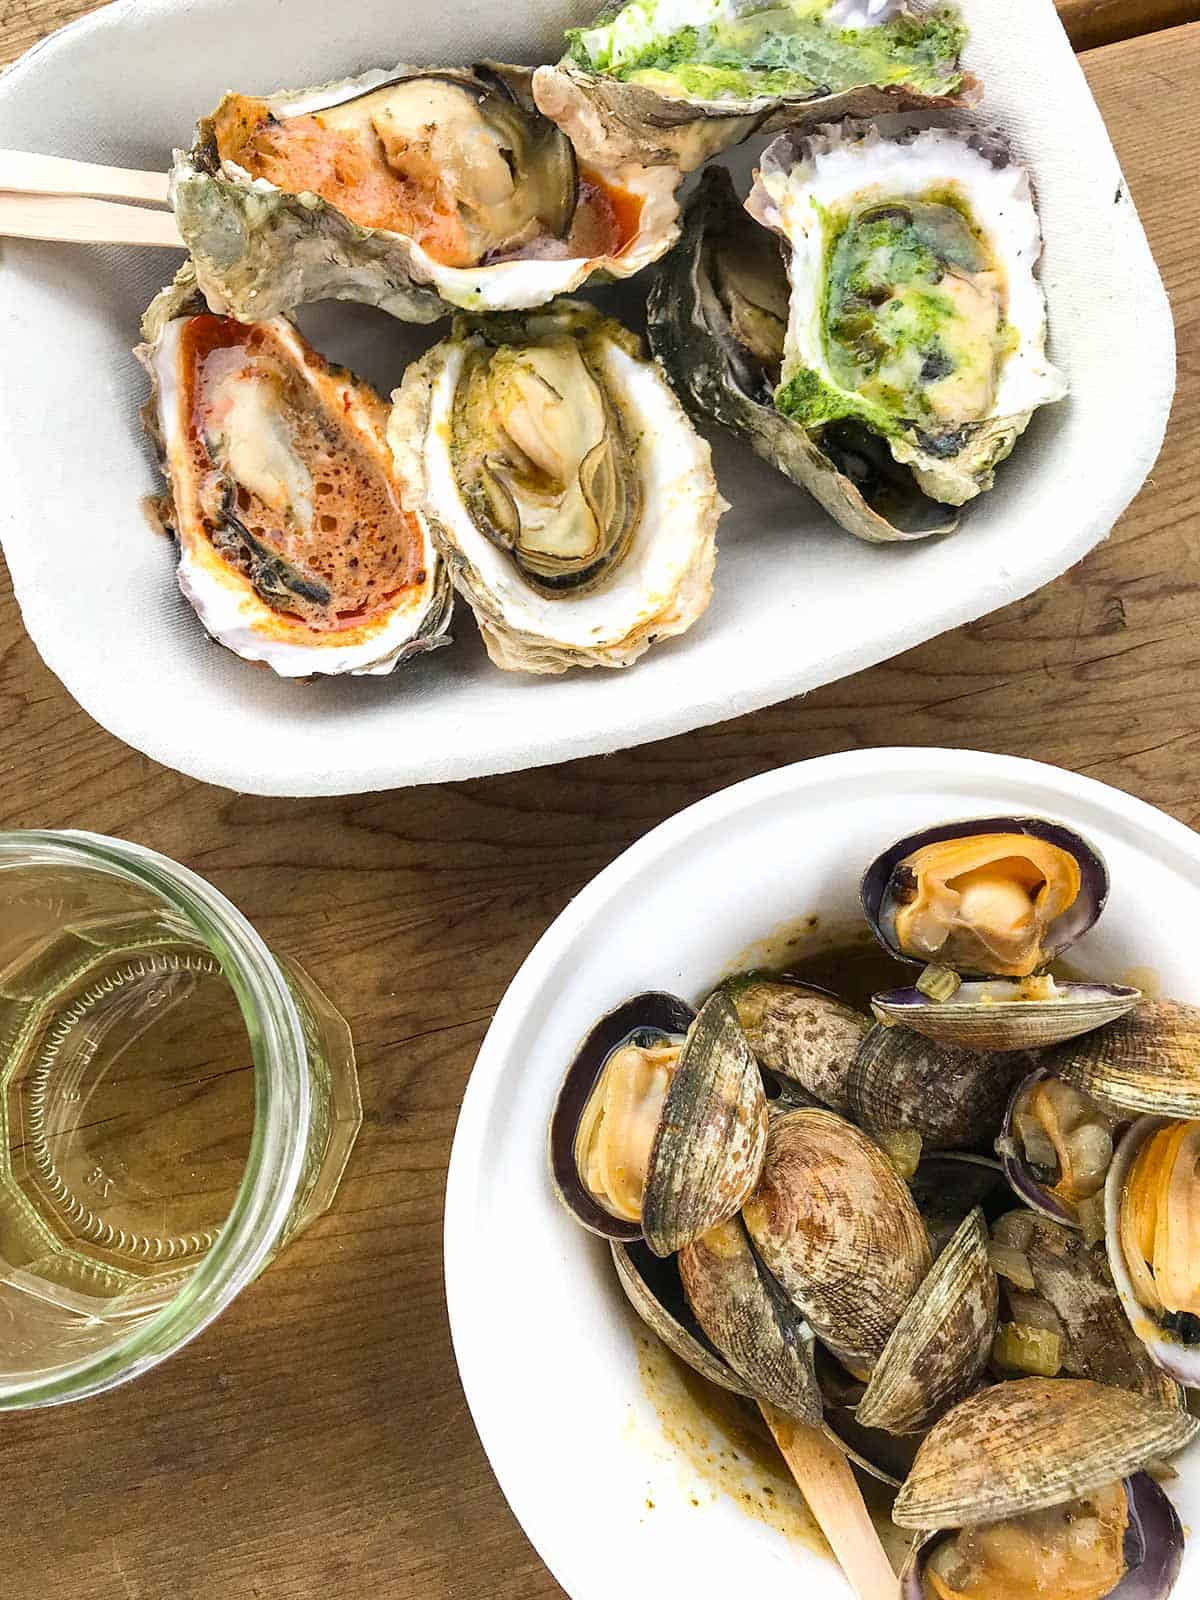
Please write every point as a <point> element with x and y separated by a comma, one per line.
<point>798,603</point>
<point>544,1343</point>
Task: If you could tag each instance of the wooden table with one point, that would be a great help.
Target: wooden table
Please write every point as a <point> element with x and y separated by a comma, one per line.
<point>314,1445</point>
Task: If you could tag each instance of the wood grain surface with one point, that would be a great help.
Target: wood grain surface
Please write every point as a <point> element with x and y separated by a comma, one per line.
<point>315,1444</point>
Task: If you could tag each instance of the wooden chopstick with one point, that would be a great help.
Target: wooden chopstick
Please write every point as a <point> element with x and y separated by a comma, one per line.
<point>24,172</point>
<point>84,221</point>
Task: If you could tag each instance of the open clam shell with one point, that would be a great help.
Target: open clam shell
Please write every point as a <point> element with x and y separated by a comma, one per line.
<point>1176,1352</point>
<point>884,885</point>
<point>653,1289</point>
<point>806,1038</point>
<point>654,1015</point>
<point>839,1230</point>
<point>1153,1548</point>
<point>953,1098</point>
<point>1030,1443</point>
<point>887,1457</point>
<point>937,1351</point>
<point>949,1184</point>
<point>749,1319</point>
<point>1031,1184</point>
<point>1147,1061</point>
<point>995,1014</point>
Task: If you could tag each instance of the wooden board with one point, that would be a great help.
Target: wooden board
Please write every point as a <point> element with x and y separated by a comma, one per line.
<point>314,1444</point>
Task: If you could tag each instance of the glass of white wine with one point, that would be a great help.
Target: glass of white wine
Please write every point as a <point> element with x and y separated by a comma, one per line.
<point>175,1104</point>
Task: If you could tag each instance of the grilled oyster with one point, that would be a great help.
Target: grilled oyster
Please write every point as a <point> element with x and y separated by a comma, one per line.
<point>409,190</point>
<point>573,501</point>
<point>717,318</point>
<point>295,546</point>
<point>915,314</point>
<point>678,81</point>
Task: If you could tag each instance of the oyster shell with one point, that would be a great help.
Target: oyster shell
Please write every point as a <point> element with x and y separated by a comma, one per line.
<point>678,81</point>
<point>717,319</point>
<point>572,499</point>
<point>915,310</point>
<point>296,545</point>
<point>412,189</point>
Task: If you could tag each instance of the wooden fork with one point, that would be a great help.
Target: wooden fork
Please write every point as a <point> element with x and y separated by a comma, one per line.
<point>50,197</point>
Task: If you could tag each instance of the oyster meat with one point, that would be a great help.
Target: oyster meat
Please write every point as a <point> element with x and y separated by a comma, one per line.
<point>717,318</point>
<point>678,81</point>
<point>296,547</point>
<point>915,314</point>
<point>572,499</point>
<point>411,190</point>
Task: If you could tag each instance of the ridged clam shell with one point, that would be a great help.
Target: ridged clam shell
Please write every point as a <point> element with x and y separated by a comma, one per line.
<point>653,1289</point>
<point>955,1099</point>
<point>1030,1443</point>
<point>749,1319</point>
<point>838,1229</point>
<point>887,1457</point>
<point>939,1348</point>
<point>991,1016</point>
<point>802,1035</point>
<point>1074,1280</point>
<point>711,1142</point>
<point>1153,1548</point>
<point>1148,1061</point>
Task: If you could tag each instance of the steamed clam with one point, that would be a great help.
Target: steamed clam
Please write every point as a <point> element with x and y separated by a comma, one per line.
<point>655,1134</point>
<point>915,314</point>
<point>652,1287</point>
<point>1056,1145</point>
<point>297,546</point>
<point>953,1098</point>
<point>412,190</point>
<point>806,1039</point>
<point>718,315</point>
<point>571,498</point>
<point>678,81</point>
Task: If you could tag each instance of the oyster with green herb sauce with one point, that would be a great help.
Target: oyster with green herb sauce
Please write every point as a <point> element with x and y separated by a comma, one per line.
<point>915,314</point>
<point>677,81</point>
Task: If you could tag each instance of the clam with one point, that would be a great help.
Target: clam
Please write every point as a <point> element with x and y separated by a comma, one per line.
<point>1056,1145</point>
<point>804,1037</point>
<point>653,1289</point>
<point>1152,1215</point>
<point>949,1184</point>
<point>992,897</point>
<point>953,1098</point>
<point>411,189</point>
<point>1029,1443</point>
<point>1148,1061</point>
<point>297,546</point>
<point>887,1457</point>
<point>1008,1013</point>
<point>749,1319</point>
<point>838,1230</point>
<point>572,499</point>
<point>1065,1288</point>
<point>656,1135</point>
<point>717,319</point>
<point>679,84</point>
<point>938,1350</point>
<point>1122,1542</point>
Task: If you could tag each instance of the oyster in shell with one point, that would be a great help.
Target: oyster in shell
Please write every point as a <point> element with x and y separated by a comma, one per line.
<point>915,312</point>
<point>678,81</point>
<point>295,545</point>
<point>717,318</point>
<point>410,190</point>
<point>572,499</point>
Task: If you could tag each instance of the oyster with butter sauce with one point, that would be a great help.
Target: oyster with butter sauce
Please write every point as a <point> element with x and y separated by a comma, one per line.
<point>916,317</point>
<point>412,190</point>
<point>295,548</point>
<point>677,81</point>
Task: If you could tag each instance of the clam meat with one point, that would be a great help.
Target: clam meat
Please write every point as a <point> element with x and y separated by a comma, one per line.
<point>572,500</point>
<point>1056,1145</point>
<point>413,190</point>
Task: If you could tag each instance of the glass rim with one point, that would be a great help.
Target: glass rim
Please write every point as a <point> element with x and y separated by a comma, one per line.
<point>282,1113</point>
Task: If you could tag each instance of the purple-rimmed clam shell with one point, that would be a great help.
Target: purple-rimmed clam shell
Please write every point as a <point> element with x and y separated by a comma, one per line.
<point>989,1014</point>
<point>1062,932</point>
<point>653,1014</point>
<point>1179,1360</point>
<point>1153,1547</point>
<point>1024,1185</point>
<point>654,1289</point>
